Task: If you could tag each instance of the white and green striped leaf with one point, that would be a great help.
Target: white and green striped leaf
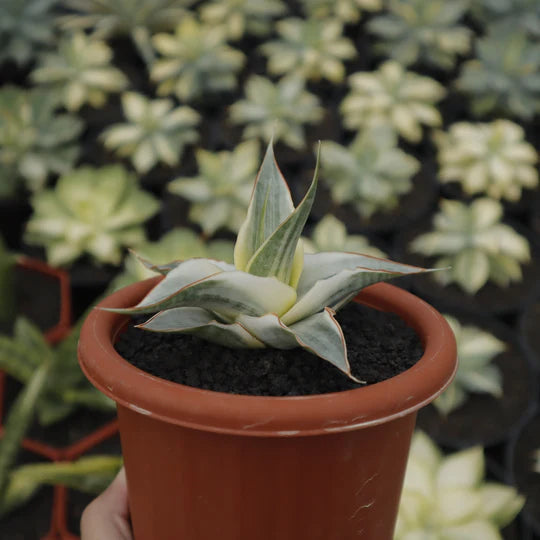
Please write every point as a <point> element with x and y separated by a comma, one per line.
<point>275,257</point>
<point>335,291</point>
<point>225,293</point>
<point>270,205</point>
<point>322,335</point>
<point>319,266</point>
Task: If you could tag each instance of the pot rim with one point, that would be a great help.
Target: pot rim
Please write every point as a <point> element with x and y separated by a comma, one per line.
<point>275,416</point>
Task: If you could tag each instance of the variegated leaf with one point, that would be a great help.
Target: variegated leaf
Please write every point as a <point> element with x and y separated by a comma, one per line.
<point>226,293</point>
<point>275,257</point>
<point>270,205</point>
<point>319,266</point>
<point>203,323</point>
<point>335,291</point>
<point>322,335</point>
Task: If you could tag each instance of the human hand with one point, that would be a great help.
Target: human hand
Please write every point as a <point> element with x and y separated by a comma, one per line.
<point>107,516</point>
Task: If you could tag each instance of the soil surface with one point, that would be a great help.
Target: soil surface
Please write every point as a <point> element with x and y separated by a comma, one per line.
<point>380,345</point>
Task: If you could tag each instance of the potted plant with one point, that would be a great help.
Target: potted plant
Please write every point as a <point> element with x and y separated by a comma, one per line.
<point>221,465</point>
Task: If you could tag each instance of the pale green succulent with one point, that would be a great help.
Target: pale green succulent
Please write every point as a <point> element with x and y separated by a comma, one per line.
<point>221,191</point>
<point>277,111</point>
<point>137,18</point>
<point>347,11</point>
<point>180,244</point>
<point>88,474</point>
<point>81,71</point>
<point>447,497</point>
<point>493,158</point>
<point>35,140</point>
<point>476,374</point>
<point>195,59</point>
<point>25,26</point>
<point>470,239</point>
<point>97,211</point>
<point>504,76</point>
<point>312,48</point>
<point>395,97</point>
<point>243,16</point>
<point>274,295</point>
<point>156,131</point>
<point>371,173</point>
<point>330,234</point>
<point>503,14</point>
<point>423,30</point>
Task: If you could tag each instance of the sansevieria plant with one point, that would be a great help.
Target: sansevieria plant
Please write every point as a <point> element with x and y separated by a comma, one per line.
<point>274,295</point>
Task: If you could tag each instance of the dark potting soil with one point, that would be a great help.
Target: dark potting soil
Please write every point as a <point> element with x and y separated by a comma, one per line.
<point>380,345</point>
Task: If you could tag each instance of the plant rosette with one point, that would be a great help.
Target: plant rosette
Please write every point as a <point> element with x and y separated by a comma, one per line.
<point>321,466</point>
<point>485,418</point>
<point>490,298</point>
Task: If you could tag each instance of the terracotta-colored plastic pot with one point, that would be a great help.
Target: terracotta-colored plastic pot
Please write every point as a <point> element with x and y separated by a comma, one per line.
<point>205,465</point>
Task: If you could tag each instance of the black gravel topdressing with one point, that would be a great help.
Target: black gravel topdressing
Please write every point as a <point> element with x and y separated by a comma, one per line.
<point>380,345</point>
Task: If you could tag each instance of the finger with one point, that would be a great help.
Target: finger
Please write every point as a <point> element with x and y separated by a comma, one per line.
<point>107,516</point>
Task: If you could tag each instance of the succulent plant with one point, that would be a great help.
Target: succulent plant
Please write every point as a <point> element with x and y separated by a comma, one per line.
<point>25,26</point>
<point>156,131</point>
<point>243,16</point>
<point>196,59</point>
<point>312,48</point>
<point>503,14</point>
<point>371,173</point>
<point>273,295</point>
<point>180,244</point>
<point>88,474</point>
<point>330,234</point>
<point>81,71</point>
<point>504,76</point>
<point>220,193</point>
<point>66,387</point>
<point>137,18</point>
<point>34,140</point>
<point>347,11</point>
<point>91,210</point>
<point>423,30</point>
<point>390,95</point>
<point>277,111</point>
<point>493,158</point>
<point>447,497</point>
<point>470,239</point>
<point>476,374</point>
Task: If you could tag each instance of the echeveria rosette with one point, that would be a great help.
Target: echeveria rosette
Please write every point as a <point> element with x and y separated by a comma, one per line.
<point>274,295</point>
<point>476,373</point>
<point>447,497</point>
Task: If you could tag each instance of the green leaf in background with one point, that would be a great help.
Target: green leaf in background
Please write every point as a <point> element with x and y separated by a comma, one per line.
<point>89,474</point>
